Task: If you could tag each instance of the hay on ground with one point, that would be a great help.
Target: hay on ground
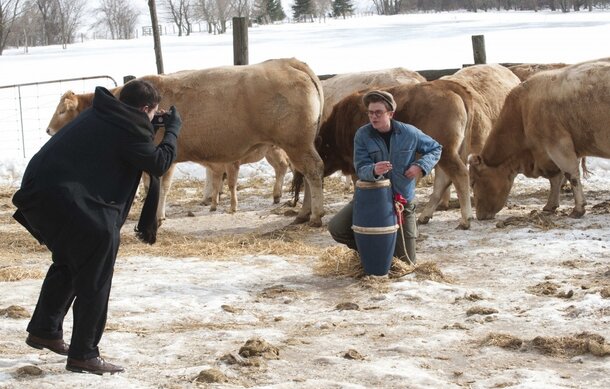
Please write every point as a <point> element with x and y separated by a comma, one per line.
<point>562,346</point>
<point>174,244</point>
<point>503,341</point>
<point>14,312</point>
<point>18,273</point>
<point>542,220</point>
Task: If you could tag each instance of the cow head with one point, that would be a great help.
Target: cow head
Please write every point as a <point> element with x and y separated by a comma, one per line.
<point>69,107</point>
<point>490,187</point>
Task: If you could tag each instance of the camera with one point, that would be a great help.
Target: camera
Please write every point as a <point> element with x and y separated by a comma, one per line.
<point>159,120</point>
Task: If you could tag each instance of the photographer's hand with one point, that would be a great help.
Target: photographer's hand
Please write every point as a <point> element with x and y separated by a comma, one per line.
<point>173,121</point>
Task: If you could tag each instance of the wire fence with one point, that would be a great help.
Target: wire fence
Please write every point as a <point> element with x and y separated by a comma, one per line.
<point>26,110</point>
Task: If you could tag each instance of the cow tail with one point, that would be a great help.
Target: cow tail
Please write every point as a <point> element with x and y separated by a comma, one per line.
<point>295,188</point>
<point>585,172</point>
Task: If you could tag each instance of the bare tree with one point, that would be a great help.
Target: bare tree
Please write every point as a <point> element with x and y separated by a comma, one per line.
<point>180,13</point>
<point>9,11</point>
<point>70,17</point>
<point>119,17</point>
<point>215,13</point>
<point>47,10</point>
<point>242,8</point>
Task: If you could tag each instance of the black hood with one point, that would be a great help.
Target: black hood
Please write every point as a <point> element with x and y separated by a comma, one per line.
<point>109,108</point>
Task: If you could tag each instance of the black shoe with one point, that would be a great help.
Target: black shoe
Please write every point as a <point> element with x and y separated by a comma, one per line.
<point>92,365</point>
<point>56,345</point>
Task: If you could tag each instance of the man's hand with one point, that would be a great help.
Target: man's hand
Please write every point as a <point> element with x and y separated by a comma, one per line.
<point>414,172</point>
<point>173,122</point>
<point>382,168</point>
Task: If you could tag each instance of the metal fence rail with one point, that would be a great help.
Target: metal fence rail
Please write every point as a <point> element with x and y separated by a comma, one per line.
<point>26,109</point>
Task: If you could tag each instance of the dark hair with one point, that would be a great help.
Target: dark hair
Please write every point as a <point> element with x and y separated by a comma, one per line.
<point>140,93</point>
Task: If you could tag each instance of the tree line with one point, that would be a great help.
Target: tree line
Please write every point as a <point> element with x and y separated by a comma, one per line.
<point>25,23</point>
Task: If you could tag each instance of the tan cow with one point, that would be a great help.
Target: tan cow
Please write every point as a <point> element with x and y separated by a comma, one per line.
<point>547,123</point>
<point>276,157</point>
<point>227,112</point>
<point>71,104</point>
<point>342,85</point>
<point>526,70</point>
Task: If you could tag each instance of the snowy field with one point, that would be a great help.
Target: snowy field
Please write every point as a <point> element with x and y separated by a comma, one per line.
<point>522,301</point>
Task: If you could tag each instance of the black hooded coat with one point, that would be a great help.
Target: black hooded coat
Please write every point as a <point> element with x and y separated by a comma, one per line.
<point>88,173</point>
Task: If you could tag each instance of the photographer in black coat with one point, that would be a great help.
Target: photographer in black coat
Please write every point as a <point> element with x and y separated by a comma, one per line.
<point>75,195</point>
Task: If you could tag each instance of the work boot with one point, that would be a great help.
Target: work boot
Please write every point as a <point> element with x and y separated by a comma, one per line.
<point>92,365</point>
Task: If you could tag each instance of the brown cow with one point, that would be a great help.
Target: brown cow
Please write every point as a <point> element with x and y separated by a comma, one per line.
<point>456,111</point>
<point>227,112</point>
<point>71,104</point>
<point>526,70</point>
<point>547,123</point>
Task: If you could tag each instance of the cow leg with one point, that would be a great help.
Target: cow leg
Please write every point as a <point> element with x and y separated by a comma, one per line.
<point>347,182</point>
<point>232,174</point>
<point>443,204</point>
<point>277,159</point>
<point>458,175</point>
<point>217,171</point>
<point>143,187</point>
<point>166,183</point>
<point>552,203</point>
<point>207,188</point>
<point>564,156</point>
<point>310,164</point>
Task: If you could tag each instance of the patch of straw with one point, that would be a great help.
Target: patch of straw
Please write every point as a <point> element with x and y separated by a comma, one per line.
<point>19,244</point>
<point>18,273</point>
<point>538,219</point>
<point>563,346</point>
<point>502,340</point>
<point>572,345</point>
<point>174,244</point>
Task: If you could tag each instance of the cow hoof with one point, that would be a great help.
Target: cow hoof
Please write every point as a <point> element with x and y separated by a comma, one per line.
<point>300,220</point>
<point>315,223</point>
<point>212,209</point>
<point>423,220</point>
<point>207,201</point>
<point>276,200</point>
<point>576,214</point>
<point>549,209</point>
<point>463,226</point>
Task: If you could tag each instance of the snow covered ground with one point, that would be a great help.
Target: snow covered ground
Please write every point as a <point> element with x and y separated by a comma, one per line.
<point>524,303</point>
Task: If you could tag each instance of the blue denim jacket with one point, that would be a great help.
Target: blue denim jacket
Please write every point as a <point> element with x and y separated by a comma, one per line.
<point>405,143</point>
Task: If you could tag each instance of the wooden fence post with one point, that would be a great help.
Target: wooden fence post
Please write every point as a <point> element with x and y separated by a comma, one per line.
<point>478,49</point>
<point>240,40</point>
<point>126,79</point>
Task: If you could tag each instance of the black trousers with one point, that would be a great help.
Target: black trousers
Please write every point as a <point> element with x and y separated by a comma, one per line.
<point>340,228</point>
<point>81,275</point>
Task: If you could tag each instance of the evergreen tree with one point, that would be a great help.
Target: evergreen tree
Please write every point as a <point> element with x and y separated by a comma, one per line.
<point>342,8</point>
<point>268,11</point>
<point>302,8</point>
<point>276,13</point>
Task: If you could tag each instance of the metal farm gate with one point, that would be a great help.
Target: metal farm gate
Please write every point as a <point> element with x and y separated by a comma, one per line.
<point>26,109</point>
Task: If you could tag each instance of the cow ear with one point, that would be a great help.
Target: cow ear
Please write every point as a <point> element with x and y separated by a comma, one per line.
<point>70,102</point>
<point>474,160</point>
